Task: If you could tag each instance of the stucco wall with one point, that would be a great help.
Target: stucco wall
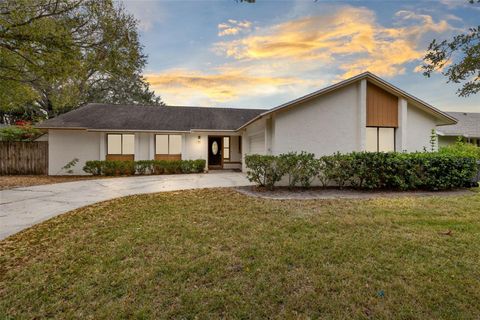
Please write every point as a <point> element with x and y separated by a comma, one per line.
<point>194,149</point>
<point>322,126</point>
<point>65,145</point>
<point>142,148</point>
<point>419,129</point>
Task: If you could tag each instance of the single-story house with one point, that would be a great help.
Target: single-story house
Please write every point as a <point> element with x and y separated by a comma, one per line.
<point>362,113</point>
<point>467,127</point>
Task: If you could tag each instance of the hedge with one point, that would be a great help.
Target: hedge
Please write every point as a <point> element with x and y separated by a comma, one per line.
<point>365,170</point>
<point>142,167</point>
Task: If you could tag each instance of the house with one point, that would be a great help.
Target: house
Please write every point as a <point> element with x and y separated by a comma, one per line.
<point>362,113</point>
<point>467,127</point>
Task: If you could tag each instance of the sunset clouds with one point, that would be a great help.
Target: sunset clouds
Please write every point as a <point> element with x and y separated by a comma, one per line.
<point>223,85</point>
<point>233,27</point>
<point>265,54</point>
<point>349,38</point>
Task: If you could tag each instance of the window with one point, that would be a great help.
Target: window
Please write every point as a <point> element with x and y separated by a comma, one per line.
<point>240,144</point>
<point>121,144</point>
<point>380,139</point>
<point>226,148</point>
<point>168,144</point>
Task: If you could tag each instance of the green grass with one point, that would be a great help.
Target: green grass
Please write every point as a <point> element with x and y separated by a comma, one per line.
<point>218,254</point>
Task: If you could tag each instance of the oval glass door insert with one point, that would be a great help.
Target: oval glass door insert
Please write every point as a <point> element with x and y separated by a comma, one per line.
<point>215,148</point>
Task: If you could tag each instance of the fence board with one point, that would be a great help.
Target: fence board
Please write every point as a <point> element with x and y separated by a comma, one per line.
<point>23,157</point>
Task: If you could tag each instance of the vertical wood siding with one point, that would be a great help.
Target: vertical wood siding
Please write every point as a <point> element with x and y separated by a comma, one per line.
<point>382,107</point>
<point>120,157</point>
<point>168,157</point>
<point>23,158</point>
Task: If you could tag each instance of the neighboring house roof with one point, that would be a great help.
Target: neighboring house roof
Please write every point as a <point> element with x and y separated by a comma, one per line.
<point>96,116</point>
<point>442,116</point>
<point>468,125</point>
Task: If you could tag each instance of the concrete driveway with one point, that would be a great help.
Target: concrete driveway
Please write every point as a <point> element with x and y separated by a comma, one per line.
<point>21,208</point>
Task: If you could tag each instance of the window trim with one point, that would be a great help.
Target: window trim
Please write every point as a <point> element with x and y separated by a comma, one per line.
<point>378,137</point>
<point>121,144</point>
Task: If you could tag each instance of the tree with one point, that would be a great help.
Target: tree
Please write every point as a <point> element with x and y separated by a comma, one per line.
<point>458,59</point>
<point>56,55</point>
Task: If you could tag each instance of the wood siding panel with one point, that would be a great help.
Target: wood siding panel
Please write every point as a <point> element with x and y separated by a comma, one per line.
<point>382,107</point>
<point>120,157</point>
<point>24,158</point>
<point>168,157</point>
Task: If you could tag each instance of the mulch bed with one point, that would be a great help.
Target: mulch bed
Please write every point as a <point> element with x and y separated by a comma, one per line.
<point>284,193</point>
<point>9,182</point>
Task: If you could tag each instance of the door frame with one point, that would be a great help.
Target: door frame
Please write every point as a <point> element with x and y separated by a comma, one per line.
<point>220,149</point>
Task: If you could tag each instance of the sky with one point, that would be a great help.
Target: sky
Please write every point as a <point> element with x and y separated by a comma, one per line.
<point>230,54</point>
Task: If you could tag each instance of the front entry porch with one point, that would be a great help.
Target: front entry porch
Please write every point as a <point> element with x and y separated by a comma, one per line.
<point>224,152</point>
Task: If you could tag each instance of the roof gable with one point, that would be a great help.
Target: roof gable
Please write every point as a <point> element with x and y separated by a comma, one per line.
<point>442,116</point>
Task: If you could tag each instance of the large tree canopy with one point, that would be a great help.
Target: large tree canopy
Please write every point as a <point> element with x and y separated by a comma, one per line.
<point>56,55</point>
<point>458,59</point>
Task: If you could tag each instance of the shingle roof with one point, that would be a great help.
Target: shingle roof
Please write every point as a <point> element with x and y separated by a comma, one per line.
<point>97,116</point>
<point>468,125</point>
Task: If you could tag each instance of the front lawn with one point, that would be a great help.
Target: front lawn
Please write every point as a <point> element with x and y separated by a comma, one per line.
<point>219,254</point>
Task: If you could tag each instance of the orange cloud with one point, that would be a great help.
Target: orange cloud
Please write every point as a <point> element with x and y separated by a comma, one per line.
<point>229,83</point>
<point>350,39</point>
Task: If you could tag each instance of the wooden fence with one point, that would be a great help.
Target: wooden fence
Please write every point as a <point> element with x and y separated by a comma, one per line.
<point>23,157</point>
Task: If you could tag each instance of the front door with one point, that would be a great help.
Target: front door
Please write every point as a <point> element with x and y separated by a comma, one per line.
<point>215,152</point>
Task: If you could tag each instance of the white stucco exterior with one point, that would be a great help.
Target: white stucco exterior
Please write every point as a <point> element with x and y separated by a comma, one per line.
<point>321,126</point>
<point>66,145</point>
<point>419,129</point>
<point>336,122</point>
<point>322,123</point>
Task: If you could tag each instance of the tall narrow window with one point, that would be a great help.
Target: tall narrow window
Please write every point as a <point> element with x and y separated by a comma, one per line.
<point>380,139</point>
<point>175,144</point>
<point>386,139</point>
<point>161,144</point>
<point>226,148</point>
<point>371,144</point>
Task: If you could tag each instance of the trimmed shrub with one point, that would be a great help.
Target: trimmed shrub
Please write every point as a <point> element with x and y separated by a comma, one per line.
<point>461,149</point>
<point>338,168</point>
<point>300,168</point>
<point>94,167</point>
<point>265,171</point>
<point>367,170</point>
<point>118,168</point>
<point>143,167</point>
